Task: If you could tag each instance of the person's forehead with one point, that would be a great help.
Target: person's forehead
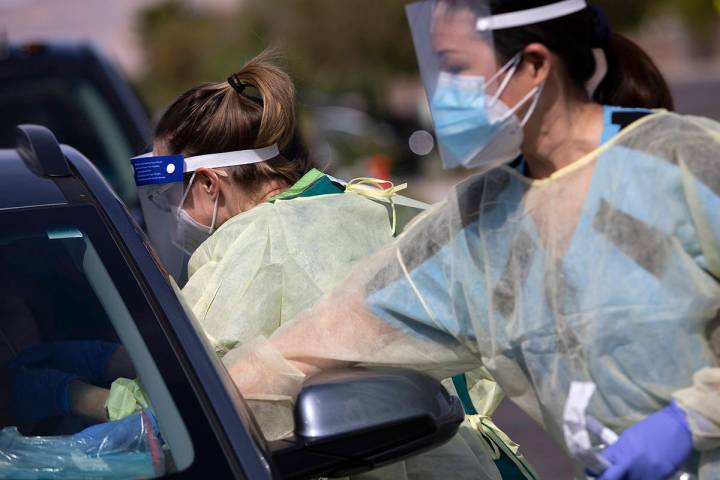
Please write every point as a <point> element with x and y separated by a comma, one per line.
<point>455,30</point>
<point>459,22</point>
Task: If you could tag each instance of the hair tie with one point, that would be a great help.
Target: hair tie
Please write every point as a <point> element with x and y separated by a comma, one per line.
<point>602,32</point>
<point>236,84</point>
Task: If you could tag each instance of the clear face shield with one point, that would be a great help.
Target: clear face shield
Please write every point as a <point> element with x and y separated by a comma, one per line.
<point>163,192</point>
<point>464,79</point>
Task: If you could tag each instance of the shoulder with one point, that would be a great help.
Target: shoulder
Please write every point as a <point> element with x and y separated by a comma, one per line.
<point>343,200</point>
<point>303,219</point>
<point>671,129</point>
<point>670,136</point>
<point>249,224</point>
<point>333,211</point>
<point>687,143</point>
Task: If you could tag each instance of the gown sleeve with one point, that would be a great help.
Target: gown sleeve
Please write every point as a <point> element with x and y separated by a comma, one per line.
<point>698,157</point>
<point>394,309</point>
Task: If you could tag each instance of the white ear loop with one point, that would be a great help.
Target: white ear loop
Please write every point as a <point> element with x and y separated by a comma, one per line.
<point>511,67</point>
<point>517,19</point>
<point>535,91</point>
<point>214,215</point>
<point>187,190</point>
<point>217,198</point>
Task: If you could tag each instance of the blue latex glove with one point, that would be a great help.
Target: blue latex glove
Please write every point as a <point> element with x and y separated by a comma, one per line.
<point>41,393</point>
<point>128,434</point>
<point>86,358</point>
<point>653,448</point>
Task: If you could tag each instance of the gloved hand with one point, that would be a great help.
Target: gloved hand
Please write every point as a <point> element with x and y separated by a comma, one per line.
<point>41,393</point>
<point>86,358</point>
<point>128,434</point>
<point>653,448</point>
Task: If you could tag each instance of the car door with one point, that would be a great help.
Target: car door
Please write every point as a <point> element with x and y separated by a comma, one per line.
<point>64,275</point>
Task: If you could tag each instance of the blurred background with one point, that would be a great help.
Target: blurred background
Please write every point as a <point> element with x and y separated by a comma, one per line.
<point>363,111</point>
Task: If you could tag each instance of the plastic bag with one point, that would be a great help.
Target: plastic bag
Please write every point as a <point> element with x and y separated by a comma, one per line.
<point>127,448</point>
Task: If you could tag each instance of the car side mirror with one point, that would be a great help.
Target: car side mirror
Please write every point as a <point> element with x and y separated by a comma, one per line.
<point>353,420</point>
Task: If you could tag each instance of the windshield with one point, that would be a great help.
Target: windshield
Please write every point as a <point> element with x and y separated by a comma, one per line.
<point>78,115</point>
<point>63,282</point>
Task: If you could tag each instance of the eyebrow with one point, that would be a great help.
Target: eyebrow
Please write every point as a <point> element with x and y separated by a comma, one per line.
<point>448,51</point>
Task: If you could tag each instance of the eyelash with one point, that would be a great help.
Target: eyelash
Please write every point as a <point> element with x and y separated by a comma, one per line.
<point>453,67</point>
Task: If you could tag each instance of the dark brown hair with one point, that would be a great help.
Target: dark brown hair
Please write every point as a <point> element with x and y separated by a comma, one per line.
<point>633,80</point>
<point>217,117</point>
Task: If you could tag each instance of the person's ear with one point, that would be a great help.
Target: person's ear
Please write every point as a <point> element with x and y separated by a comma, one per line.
<point>208,180</point>
<point>537,61</point>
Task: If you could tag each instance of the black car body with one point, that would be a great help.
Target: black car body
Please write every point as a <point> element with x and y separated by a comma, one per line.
<point>75,91</point>
<point>77,266</point>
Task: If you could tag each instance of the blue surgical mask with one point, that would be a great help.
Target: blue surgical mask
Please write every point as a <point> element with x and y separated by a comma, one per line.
<point>472,128</point>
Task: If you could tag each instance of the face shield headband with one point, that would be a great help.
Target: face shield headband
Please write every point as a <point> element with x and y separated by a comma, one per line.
<point>146,166</point>
<point>170,169</point>
<point>160,182</point>
<point>530,16</point>
<point>160,173</point>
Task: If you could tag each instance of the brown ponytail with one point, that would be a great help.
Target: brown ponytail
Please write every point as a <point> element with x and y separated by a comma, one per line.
<point>220,117</point>
<point>277,98</point>
<point>632,80</point>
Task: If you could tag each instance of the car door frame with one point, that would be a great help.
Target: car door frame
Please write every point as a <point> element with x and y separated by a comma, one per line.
<point>175,342</point>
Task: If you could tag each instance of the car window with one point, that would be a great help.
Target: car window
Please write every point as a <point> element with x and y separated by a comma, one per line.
<point>78,115</point>
<point>61,281</point>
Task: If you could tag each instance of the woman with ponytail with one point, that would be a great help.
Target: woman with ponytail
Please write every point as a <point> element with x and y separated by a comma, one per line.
<point>267,236</point>
<point>581,267</point>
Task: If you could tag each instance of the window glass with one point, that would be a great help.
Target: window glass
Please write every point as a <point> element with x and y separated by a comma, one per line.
<point>69,310</point>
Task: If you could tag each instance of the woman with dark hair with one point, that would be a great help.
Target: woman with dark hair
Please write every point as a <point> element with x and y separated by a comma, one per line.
<point>580,269</point>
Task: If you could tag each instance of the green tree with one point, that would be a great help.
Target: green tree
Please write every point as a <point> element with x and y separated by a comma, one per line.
<point>331,46</point>
<point>701,17</point>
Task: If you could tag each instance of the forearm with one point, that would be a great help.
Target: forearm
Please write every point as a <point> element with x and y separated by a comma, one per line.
<point>88,401</point>
<point>336,333</point>
<point>317,340</point>
<point>120,365</point>
<point>341,331</point>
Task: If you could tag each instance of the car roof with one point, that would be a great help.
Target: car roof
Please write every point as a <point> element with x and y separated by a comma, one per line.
<point>40,172</point>
<point>20,187</point>
<point>77,62</point>
<point>44,52</point>
<point>23,182</point>
<point>28,169</point>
